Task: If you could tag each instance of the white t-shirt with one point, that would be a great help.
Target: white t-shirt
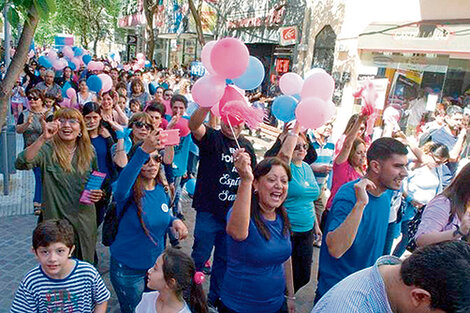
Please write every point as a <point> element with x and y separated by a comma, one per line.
<point>148,304</point>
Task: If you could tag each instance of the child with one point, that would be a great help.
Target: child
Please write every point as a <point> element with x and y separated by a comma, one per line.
<point>50,101</point>
<point>59,283</point>
<point>134,105</point>
<point>172,275</point>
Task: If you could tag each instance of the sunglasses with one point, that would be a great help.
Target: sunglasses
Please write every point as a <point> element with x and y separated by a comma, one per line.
<point>140,125</point>
<point>157,158</point>
<point>299,146</point>
<point>31,98</point>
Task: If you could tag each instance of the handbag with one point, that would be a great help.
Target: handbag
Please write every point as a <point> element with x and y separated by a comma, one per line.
<point>111,222</point>
<point>413,229</point>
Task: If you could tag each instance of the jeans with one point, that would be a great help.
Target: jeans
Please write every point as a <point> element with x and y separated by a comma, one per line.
<point>302,252</point>
<point>391,235</point>
<point>405,239</point>
<point>209,232</point>
<point>193,159</point>
<point>128,283</point>
<point>38,186</point>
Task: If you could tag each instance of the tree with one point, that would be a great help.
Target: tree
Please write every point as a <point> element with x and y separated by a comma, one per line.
<point>197,20</point>
<point>150,8</point>
<point>31,11</point>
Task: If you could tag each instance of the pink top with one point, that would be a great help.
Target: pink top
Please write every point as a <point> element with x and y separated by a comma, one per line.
<point>436,217</point>
<point>342,173</point>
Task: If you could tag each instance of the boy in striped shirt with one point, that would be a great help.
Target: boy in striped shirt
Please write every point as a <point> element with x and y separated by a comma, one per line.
<point>59,283</point>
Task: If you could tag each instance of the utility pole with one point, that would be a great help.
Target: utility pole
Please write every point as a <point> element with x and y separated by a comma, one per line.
<point>6,46</point>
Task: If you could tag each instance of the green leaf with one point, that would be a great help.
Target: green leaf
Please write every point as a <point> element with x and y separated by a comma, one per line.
<point>52,6</point>
<point>13,17</point>
<point>42,8</point>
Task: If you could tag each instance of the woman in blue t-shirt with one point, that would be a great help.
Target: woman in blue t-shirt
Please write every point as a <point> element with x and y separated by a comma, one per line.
<point>142,199</point>
<point>299,204</point>
<point>259,268</point>
<point>102,142</point>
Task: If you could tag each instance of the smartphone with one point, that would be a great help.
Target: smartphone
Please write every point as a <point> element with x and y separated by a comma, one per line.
<point>172,137</point>
<point>94,182</point>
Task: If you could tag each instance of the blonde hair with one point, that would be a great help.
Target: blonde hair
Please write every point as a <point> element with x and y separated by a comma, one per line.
<point>84,153</point>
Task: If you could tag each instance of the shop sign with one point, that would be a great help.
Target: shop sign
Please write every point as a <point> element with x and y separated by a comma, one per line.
<point>273,18</point>
<point>282,65</point>
<point>288,35</point>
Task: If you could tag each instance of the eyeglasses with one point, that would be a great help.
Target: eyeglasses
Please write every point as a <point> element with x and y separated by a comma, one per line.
<point>439,161</point>
<point>140,125</point>
<point>299,146</point>
<point>157,158</point>
<point>31,98</point>
<point>71,121</point>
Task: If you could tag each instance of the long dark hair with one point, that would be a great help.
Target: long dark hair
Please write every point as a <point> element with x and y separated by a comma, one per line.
<point>261,170</point>
<point>180,267</point>
<point>458,192</point>
<point>139,193</point>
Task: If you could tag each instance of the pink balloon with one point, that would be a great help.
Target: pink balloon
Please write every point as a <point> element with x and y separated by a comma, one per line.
<point>229,57</point>
<point>291,83</point>
<point>206,56</point>
<point>215,110</point>
<point>208,90</point>
<point>51,55</point>
<point>77,63</point>
<point>100,66</point>
<point>106,82</point>
<point>312,112</point>
<point>313,71</point>
<point>71,93</point>
<point>330,110</point>
<point>67,51</point>
<point>58,65</point>
<point>230,94</point>
<point>320,85</point>
<point>126,67</point>
<point>183,126</point>
<point>92,66</point>
<point>66,103</point>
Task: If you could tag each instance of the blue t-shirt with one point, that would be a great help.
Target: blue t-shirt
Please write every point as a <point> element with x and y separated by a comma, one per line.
<point>450,168</point>
<point>369,243</point>
<point>303,190</point>
<point>254,280</point>
<point>101,149</point>
<point>180,160</point>
<point>132,246</point>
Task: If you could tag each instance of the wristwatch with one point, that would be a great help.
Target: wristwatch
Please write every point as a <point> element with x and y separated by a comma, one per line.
<point>457,232</point>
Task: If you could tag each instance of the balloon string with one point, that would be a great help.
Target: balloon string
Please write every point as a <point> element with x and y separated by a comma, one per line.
<point>233,133</point>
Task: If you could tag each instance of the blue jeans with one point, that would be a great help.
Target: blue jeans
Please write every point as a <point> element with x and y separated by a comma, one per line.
<point>38,185</point>
<point>128,283</point>
<point>405,239</point>
<point>210,232</point>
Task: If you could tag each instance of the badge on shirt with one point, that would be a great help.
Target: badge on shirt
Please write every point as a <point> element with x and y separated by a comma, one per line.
<point>164,207</point>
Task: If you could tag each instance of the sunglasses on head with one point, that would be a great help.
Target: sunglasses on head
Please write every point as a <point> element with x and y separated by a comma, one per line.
<point>299,146</point>
<point>157,158</point>
<point>33,98</point>
<point>140,124</point>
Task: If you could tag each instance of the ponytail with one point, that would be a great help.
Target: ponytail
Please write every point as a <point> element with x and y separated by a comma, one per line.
<point>197,298</point>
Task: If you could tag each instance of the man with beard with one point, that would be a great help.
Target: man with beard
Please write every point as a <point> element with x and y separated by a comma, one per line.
<point>356,226</point>
<point>452,135</point>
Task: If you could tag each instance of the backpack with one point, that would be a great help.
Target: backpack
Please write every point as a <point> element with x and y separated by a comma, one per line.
<point>111,222</point>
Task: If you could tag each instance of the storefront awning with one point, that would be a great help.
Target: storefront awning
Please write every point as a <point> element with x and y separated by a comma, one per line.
<point>425,37</point>
<point>187,35</point>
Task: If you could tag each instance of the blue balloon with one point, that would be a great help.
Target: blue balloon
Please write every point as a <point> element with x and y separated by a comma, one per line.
<point>229,81</point>
<point>44,62</point>
<point>152,89</point>
<point>284,108</point>
<point>78,52</point>
<point>72,65</point>
<point>86,58</point>
<point>148,64</point>
<point>297,96</point>
<point>253,76</point>
<point>64,89</point>
<point>94,83</point>
<point>191,186</point>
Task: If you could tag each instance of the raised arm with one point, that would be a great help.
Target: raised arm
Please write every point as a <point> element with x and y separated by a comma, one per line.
<point>239,221</point>
<point>288,146</point>
<point>196,122</point>
<point>348,141</point>
<point>341,239</point>
<point>454,154</point>
<point>50,130</point>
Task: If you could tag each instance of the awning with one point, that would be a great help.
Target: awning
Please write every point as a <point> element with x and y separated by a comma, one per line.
<point>187,35</point>
<point>424,37</point>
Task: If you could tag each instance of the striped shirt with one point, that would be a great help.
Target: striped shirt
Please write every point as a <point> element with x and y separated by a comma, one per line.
<point>325,155</point>
<point>363,291</point>
<point>79,292</point>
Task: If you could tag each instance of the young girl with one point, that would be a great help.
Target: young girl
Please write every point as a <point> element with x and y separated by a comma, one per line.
<point>173,274</point>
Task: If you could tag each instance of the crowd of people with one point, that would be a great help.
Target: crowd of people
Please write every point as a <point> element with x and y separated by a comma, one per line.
<point>260,219</point>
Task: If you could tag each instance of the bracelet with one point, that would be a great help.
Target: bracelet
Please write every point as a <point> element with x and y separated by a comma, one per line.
<point>458,232</point>
<point>290,298</point>
<point>291,133</point>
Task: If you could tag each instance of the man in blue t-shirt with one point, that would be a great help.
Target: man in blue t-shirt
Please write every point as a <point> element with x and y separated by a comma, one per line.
<point>356,226</point>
